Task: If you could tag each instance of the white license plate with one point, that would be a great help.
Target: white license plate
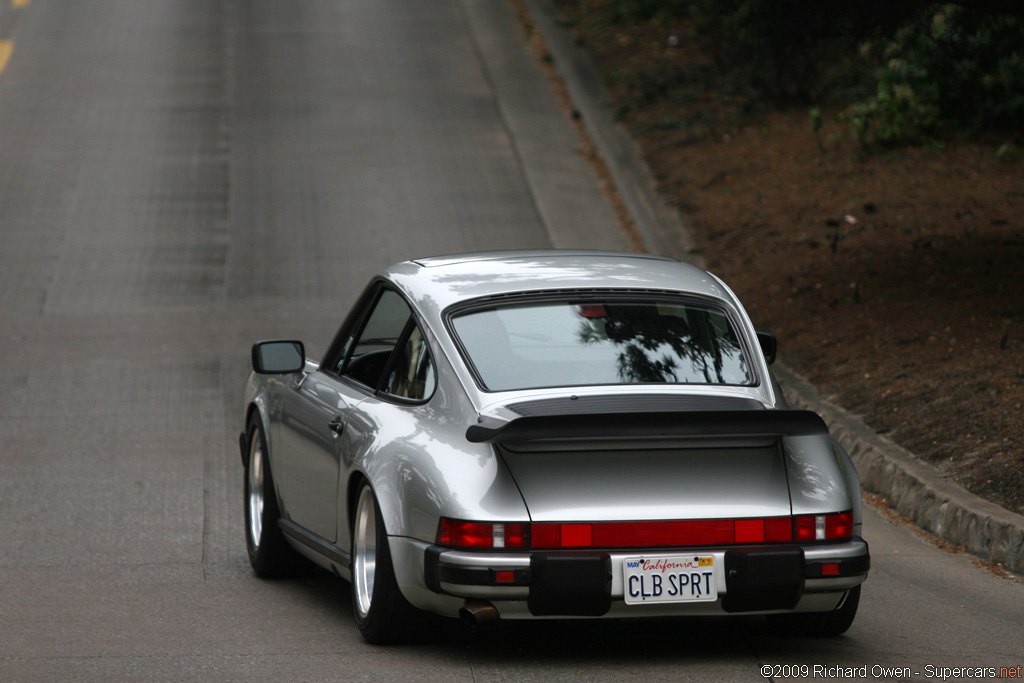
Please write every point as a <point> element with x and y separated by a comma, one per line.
<point>669,578</point>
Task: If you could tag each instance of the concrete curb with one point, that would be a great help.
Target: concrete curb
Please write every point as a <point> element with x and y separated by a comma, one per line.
<point>914,488</point>
<point>658,223</point>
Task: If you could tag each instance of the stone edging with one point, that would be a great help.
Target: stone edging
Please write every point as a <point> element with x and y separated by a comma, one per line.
<point>914,488</point>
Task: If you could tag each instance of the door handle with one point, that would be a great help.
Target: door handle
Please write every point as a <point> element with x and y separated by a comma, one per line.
<point>337,425</point>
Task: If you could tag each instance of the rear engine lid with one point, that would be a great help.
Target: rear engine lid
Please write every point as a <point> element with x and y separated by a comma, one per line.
<point>733,477</point>
<point>657,463</point>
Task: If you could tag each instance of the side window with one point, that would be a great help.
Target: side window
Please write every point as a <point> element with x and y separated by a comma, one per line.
<point>412,374</point>
<point>368,353</point>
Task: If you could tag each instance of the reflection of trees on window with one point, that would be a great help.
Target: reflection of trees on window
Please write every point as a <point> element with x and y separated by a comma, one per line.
<point>655,343</point>
<point>412,375</point>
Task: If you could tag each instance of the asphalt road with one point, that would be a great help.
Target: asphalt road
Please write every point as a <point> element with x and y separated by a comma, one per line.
<point>180,178</point>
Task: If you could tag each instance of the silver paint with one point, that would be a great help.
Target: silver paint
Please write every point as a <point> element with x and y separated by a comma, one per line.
<point>421,467</point>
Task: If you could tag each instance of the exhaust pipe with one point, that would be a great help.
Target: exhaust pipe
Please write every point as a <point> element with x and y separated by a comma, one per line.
<point>477,612</point>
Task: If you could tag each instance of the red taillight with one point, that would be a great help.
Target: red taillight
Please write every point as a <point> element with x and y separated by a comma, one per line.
<point>546,535</point>
<point>804,528</point>
<point>577,535</point>
<point>458,534</point>
<point>689,532</point>
<point>517,535</point>
<point>750,531</point>
<point>651,534</point>
<point>832,527</point>
<point>778,530</point>
<point>839,526</point>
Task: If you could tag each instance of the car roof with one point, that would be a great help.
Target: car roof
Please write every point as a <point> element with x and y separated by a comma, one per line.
<point>435,283</point>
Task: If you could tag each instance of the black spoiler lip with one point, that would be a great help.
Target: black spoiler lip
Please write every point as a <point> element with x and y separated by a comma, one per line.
<point>679,424</point>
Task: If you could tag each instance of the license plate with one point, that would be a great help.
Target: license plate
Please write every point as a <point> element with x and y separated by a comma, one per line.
<point>669,578</point>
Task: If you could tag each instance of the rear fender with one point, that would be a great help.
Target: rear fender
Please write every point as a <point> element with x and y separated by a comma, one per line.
<point>819,482</point>
<point>421,467</point>
<point>852,484</point>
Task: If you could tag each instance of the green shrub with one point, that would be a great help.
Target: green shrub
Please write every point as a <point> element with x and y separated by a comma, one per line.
<point>773,49</point>
<point>943,67</point>
<point>952,67</point>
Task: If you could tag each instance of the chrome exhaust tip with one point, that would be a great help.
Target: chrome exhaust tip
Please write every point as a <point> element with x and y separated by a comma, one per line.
<point>477,612</point>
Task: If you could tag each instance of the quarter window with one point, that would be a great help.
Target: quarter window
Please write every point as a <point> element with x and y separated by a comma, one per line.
<point>412,372</point>
<point>390,343</point>
<point>368,354</point>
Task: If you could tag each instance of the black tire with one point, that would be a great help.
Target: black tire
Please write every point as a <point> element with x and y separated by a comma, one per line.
<point>382,613</point>
<point>819,624</point>
<point>269,552</point>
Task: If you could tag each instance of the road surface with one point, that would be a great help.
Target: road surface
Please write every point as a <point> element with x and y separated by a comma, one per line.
<point>183,177</point>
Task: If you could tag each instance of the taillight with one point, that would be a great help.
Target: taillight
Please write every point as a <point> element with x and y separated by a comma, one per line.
<point>647,534</point>
<point>478,535</point>
<point>657,534</point>
<point>832,527</point>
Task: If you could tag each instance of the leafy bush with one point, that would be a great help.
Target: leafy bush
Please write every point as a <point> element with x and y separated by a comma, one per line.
<point>955,66</point>
<point>944,67</point>
<point>778,49</point>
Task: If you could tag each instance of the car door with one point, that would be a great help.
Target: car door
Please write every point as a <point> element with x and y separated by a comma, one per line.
<point>389,417</point>
<point>315,431</point>
<point>310,443</point>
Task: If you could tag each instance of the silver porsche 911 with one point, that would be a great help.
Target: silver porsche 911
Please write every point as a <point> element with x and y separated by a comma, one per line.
<point>550,434</point>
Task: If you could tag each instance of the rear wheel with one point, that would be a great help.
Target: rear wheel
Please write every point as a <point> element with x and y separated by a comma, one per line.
<point>269,552</point>
<point>382,612</point>
<point>822,624</point>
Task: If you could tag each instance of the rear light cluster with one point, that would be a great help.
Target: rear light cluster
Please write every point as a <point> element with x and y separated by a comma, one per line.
<point>550,535</point>
<point>456,534</point>
<point>823,527</point>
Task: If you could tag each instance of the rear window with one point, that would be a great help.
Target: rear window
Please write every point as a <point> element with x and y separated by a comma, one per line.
<point>569,343</point>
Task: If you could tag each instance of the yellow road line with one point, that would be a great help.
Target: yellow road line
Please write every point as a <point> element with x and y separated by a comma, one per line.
<point>20,3</point>
<point>6,48</point>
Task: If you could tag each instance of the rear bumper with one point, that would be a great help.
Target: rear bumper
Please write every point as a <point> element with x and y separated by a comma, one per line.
<point>752,580</point>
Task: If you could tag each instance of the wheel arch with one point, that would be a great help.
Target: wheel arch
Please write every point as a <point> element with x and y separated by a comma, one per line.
<point>352,486</point>
<point>251,410</point>
<point>257,407</point>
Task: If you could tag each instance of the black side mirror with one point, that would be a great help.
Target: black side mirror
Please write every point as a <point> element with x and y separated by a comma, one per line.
<point>769,346</point>
<point>281,357</point>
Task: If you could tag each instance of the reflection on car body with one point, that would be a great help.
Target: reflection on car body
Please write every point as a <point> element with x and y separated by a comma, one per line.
<point>550,434</point>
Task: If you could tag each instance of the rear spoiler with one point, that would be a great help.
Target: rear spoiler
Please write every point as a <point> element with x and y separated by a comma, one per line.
<point>646,425</point>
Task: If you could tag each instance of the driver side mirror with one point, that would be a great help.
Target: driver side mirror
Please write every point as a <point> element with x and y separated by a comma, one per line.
<point>278,357</point>
<point>769,346</point>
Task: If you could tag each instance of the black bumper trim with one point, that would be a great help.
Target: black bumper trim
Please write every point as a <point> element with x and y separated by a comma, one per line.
<point>431,560</point>
<point>570,584</point>
<point>467,576</point>
<point>758,579</point>
<point>751,574</point>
